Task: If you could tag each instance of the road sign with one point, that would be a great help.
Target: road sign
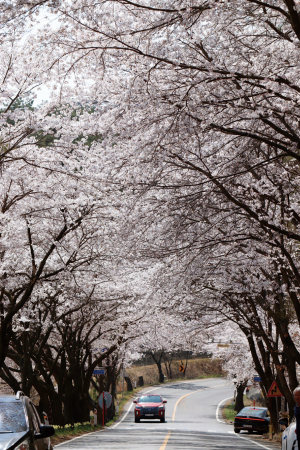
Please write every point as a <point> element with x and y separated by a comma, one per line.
<point>274,391</point>
<point>181,368</point>
<point>256,379</point>
<point>99,371</point>
<point>108,399</point>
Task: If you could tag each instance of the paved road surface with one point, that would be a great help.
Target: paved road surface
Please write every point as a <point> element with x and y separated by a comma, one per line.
<point>192,423</point>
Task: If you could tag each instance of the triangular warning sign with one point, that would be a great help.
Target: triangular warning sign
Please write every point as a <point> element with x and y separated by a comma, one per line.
<point>274,390</point>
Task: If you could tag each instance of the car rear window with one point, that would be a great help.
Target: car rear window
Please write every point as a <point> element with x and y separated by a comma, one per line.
<point>150,399</point>
<point>12,417</point>
<point>252,412</point>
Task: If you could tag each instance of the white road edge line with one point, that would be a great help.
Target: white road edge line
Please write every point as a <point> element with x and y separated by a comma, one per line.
<point>78,437</point>
<point>218,408</point>
<point>250,440</point>
<point>237,435</point>
<point>125,415</point>
<point>150,390</point>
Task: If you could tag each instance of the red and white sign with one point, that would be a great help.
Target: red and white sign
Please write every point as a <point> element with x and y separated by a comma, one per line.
<point>274,390</point>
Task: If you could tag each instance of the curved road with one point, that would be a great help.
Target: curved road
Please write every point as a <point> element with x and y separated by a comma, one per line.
<point>192,423</point>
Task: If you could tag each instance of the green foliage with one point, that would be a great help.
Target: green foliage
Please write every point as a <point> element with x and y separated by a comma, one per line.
<point>68,432</point>
<point>44,140</point>
<point>228,411</point>
<point>89,139</point>
<point>22,104</point>
<point>70,427</point>
<point>19,103</point>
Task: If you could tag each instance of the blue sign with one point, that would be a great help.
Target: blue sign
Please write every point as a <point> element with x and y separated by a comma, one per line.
<point>257,379</point>
<point>99,372</point>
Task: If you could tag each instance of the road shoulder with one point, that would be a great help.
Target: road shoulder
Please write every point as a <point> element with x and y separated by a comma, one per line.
<point>261,441</point>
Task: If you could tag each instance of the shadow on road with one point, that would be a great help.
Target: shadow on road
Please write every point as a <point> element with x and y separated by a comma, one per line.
<point>137,437</point>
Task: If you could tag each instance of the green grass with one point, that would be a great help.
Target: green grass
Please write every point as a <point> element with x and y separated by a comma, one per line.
<point>78,427</point>
<point>68,432</point>
<point>228,411</point>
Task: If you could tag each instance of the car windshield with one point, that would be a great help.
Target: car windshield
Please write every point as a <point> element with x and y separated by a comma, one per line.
<point>150,399</point>
<point>12,417</point>
<point>253,412</point>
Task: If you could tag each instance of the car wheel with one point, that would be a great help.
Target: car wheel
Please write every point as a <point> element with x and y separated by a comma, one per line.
<point>162,420</point>
<point>236,430</point>
<point>137,420</point>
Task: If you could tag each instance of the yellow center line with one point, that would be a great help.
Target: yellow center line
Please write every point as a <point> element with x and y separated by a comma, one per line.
<point>165,441</point>
<point>186,395</point>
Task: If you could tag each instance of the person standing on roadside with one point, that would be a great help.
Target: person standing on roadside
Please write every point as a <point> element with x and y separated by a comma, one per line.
<point>296,394</point>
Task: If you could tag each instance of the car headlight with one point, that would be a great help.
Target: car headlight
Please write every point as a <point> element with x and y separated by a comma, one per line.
<point>23,446</point>
<point>161,407</point>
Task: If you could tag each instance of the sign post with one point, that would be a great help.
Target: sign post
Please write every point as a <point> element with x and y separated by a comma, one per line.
<point>103,410</point>
<point>104,401</point>
<point>124,374</point>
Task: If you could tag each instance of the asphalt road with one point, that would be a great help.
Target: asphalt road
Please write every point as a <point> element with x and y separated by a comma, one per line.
<point>192,423</point>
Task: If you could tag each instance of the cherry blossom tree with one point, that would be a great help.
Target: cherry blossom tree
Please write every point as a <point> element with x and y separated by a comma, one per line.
<point>198,106</point>
<point>230,345</point>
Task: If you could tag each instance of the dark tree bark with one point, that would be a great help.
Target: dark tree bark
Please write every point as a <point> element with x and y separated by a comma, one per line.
<point>129,384</point>
<point>157,358</point>
<point>168,365</point>
<point>239,400</point>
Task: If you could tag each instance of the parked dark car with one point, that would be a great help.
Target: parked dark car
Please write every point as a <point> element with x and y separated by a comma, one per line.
<point>20,425</point>
<point>149,407</point>
<point>252,419</point>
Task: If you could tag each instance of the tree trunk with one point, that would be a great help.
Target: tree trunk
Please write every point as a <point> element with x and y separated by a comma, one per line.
<point>170,370</point>
<point>161,375</point>
<point>186,363</point>
<point>157,361</point>
<point>239,400</point>
<point>129,384</point>
<point>55,411</point>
